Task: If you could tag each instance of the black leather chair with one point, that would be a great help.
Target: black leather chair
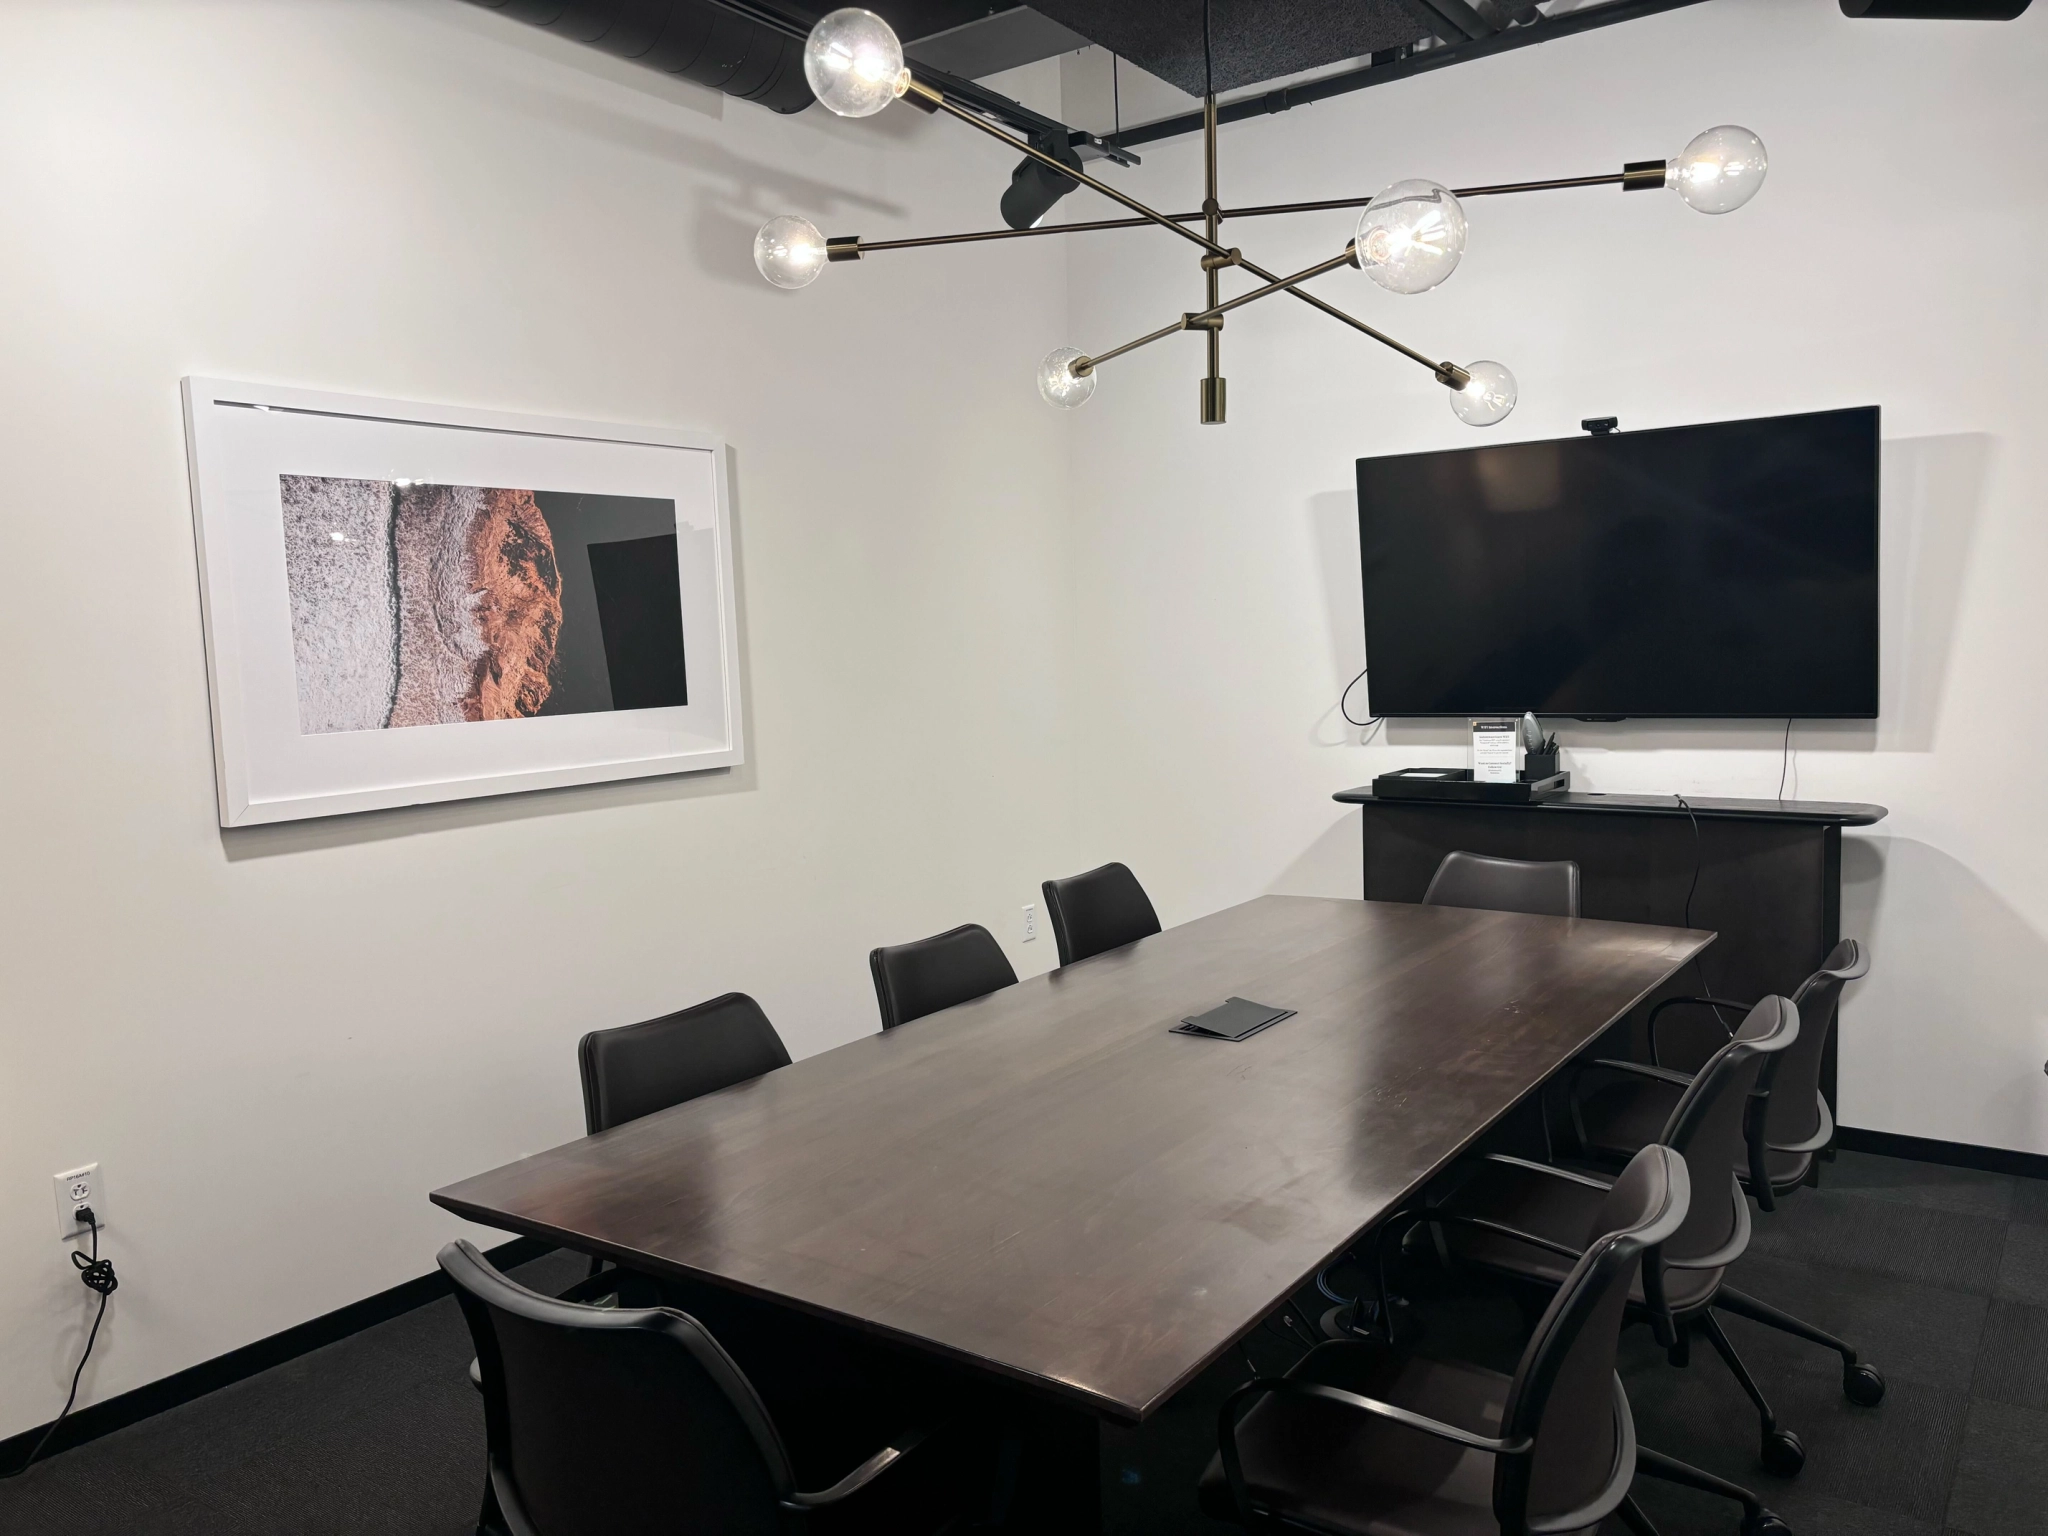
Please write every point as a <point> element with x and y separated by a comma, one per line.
<point>1611,1118</point>
<point>1103,909</point>
<point>1505,885</point>
<point>610,1422</point>
<point>912,980</point>
<point>639,1068</point>
<point>1529,1223</point>
<point>1361,1440</point>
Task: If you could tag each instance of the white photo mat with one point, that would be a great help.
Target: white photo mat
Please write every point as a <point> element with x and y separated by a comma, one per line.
<point>241,438</point>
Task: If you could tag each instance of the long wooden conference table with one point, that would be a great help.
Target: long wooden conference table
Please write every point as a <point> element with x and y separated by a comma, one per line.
<point>1047,1188</point>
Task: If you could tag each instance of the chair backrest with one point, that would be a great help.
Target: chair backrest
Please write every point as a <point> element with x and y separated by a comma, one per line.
<point>1794,1116</point>
<point>1565,1395</point>
<point>1505,885</point>
<point>1103,909</point>
<point>639,1068</point>
<point>1711,1125</point>
<point>606,1422</point>
<point>912,980</point>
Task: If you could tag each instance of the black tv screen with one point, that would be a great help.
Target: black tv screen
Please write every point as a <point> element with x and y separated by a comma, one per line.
<point>1722,570</point>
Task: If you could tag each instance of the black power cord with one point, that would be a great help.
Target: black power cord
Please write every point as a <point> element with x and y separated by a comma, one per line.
<point>96,1274</point>
<point>1344,698</point>
<point>1784,761</point>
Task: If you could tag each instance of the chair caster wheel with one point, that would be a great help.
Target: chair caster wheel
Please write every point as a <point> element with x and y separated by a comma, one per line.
<point>1766,1524</point>
<point>1862,1385</point>
<point>1783,1454</point>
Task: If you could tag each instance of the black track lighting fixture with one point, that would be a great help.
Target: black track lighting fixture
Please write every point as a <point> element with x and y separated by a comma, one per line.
<point>1035,186</point>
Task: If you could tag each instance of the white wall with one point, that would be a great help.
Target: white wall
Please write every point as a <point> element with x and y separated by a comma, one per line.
<point>1893,257</point>
<point>278,1040</point>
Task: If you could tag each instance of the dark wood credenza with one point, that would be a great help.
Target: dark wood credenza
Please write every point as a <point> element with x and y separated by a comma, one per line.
<point>1769,880</point>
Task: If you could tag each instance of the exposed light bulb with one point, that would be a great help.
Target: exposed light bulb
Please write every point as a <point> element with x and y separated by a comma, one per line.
<point>855,63</point>
<point>1411,236</point>
<point>1486,397</point>
<point>1720,170</point>
<point>789,251</point>
<point>1058,382</point>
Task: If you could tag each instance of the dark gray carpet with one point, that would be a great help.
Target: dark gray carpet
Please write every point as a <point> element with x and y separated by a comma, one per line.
<point>1939,1275</point>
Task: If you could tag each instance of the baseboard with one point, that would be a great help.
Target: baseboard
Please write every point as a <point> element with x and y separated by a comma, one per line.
<point>1956,1154</point>
<point>103,1418</point>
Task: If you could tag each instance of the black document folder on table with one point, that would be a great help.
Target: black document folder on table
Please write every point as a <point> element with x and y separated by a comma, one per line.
<point>1237,1019</point>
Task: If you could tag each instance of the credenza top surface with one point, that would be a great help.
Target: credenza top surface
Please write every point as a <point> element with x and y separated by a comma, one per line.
<point>1836,813</point>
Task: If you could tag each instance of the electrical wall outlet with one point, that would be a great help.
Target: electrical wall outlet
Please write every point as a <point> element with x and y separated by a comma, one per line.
<point>75,1190</point>
<point>1030,921</point>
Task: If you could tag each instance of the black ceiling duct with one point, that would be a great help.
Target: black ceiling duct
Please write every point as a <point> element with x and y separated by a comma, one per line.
<point>694,39</point>
<point>1937,10</point>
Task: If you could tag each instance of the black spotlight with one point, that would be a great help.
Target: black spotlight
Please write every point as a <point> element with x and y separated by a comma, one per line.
<point>1937,10</point>
<point>1035,187</point>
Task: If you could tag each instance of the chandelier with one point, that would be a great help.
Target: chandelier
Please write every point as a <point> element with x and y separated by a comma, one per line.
<point>1408,239</point>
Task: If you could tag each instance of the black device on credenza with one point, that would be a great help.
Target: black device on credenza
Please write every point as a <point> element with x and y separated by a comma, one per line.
<point>1726,570</point>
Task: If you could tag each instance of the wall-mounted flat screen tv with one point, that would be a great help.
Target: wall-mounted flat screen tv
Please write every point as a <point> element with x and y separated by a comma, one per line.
<point>1724,570</point>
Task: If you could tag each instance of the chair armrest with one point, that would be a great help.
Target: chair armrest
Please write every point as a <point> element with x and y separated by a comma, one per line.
<point>1502,1229</point>
<point>1288,1386</point>
<point>1642,1069</point>
<point>1544,1168</point>
<point>1227,1419</point>
<point>899,1447</point>
<point>1650,1024</point>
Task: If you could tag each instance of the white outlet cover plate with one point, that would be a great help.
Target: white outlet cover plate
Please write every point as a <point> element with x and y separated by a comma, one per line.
<point>79,1186</point>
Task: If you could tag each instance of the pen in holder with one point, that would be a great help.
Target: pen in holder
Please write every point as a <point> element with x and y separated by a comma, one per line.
<point>1539,765</point>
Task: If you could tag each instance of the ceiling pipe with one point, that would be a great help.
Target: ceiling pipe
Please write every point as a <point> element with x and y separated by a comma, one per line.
<point>1937,10</point>
<point>710,44</point>
<point>1288,97</point>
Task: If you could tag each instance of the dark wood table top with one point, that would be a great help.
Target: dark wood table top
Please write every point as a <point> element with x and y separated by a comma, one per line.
<point>1049,1185</point>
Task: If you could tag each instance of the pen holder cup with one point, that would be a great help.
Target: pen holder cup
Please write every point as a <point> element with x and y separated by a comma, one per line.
<point>1538,765</point>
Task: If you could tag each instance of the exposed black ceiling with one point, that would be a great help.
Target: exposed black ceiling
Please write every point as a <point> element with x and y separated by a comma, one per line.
<point>753,48</point>
<point>1250,40</point>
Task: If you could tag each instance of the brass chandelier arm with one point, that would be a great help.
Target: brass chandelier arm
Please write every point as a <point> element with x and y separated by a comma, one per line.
<point>1614,179</point>
<point>935,100</point>
<point>1206,319</point>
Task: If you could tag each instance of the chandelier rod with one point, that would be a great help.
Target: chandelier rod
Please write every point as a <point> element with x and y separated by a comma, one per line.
<point>1206,319</point>
<point>935,100</point>
<point>1616,178</point>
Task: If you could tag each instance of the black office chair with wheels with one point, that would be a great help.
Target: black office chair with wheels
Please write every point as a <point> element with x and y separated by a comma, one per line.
<point>1104,909</point>
<point>639,1068</point>
<point>1610,1117</point>
<point>1505,885</point>
<point>912,980</point>
<point>1361,1440</point>
<point>610,1422</point>
<point>1528,1223</point>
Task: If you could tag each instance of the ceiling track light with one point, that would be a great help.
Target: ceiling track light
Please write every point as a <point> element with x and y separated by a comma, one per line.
<point>1409,237</point>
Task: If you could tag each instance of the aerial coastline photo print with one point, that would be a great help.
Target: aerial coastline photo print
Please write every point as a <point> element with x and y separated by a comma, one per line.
<point>414,603</point>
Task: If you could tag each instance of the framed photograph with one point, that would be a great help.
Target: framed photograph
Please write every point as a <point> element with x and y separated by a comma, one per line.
<point>410,603</point>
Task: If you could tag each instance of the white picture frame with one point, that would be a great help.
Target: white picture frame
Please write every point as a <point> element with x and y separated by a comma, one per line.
<point>250,445</point>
